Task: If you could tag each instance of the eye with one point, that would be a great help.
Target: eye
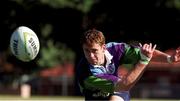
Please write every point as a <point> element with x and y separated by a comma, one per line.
<point>86,50</point>
<point>95,51</point>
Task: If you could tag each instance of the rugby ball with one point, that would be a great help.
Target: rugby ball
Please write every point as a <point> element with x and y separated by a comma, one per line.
<point>24,44</point>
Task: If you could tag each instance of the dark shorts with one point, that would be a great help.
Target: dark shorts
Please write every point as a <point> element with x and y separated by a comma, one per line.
<point>125,95</point>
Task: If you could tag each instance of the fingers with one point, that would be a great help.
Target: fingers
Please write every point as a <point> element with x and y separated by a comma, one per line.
<point>148,47</point>
<point>178,48</point>
<point>178,51</point>
<point>140,44</point>
<point>145,47</point>
<point>154,47</point>
<point>177,54</point>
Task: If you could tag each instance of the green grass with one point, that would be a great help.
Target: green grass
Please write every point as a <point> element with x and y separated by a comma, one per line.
<point>153,100</point>
<point>61,98</point>
<point>44,98</point>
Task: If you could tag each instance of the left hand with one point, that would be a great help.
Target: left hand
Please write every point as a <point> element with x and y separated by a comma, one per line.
<point>176,55</point>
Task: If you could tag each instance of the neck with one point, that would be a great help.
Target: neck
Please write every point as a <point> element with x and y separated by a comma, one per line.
<point>103,62</point>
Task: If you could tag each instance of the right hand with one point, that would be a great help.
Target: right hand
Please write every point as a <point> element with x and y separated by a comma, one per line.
<point>147,49</point>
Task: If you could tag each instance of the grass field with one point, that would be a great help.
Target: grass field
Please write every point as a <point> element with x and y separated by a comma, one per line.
<point>61,98</point>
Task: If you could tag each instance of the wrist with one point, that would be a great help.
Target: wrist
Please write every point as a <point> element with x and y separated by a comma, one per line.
<point>144,59</point>
<point>169,60</point>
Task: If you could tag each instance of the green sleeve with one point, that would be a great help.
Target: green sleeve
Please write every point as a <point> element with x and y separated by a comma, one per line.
<point>94,83</point>
<point>132,55</point>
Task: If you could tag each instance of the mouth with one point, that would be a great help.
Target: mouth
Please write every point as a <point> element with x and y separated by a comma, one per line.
<point>93,61</point>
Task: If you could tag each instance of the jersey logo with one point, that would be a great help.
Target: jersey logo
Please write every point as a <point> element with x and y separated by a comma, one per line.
<point>102,94</point>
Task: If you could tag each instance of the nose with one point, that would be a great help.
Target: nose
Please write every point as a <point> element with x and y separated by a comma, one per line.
<point>91,55</point>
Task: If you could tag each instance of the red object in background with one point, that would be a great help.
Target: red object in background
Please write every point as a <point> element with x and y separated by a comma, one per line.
<point>59,70</point>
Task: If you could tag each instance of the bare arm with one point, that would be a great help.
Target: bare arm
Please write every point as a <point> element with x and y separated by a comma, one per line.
<point>169,59</point>
<point>134,75</point>
<point>159,56</point>
<point>131,78</point>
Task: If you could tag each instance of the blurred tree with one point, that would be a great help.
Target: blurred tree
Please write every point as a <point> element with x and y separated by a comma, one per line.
<point>55,54</point>
<point>52,50</point>
<point>55,21</point>
<point>81,5</point>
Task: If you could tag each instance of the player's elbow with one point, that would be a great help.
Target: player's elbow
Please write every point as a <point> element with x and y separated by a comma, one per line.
<point>124,85</point>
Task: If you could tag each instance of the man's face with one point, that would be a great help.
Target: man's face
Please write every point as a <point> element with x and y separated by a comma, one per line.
<point>94,53</point>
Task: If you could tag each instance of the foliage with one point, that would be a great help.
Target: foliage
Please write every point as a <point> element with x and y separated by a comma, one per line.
<point>81,5</point>
<point>55,54</point>
<point>51,53</point>
<point>173,4</point>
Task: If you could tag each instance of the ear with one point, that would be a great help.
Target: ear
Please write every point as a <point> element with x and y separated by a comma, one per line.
<point>104,47</point>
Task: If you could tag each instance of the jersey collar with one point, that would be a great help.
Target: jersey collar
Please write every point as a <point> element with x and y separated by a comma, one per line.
<point>108,58</point>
